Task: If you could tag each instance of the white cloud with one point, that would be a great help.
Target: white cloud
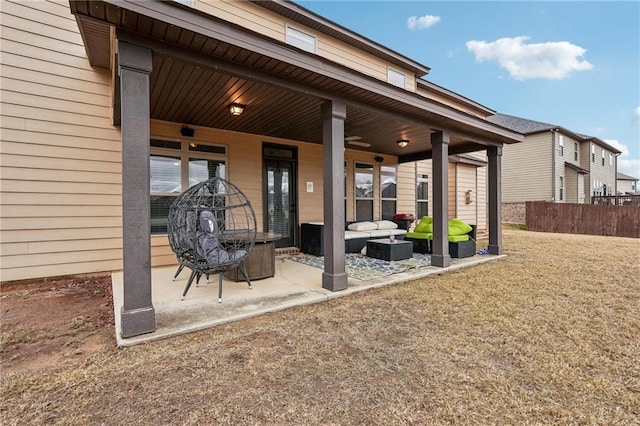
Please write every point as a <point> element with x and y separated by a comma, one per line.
<point>626,164</point>
<point>552,60</point>
<point>422,22</point>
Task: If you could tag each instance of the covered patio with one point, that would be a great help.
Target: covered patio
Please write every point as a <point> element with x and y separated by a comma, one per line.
<point>174,63</point>
<point>294,284</point>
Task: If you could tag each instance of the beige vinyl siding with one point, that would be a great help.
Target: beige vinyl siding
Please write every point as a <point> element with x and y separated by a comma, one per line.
<point>626,186</point>
<point>526,169</point>
<point>406,188</point>
<point>571,190</point>
<point>606,174</point>
<point>585,163</point>
<point>260,20</point>
<point>466,180</point>
<point>481,200</point>
<point>430,94</point>
<point>570,185</point>
<point>61,157</point>
<point>453,189</point>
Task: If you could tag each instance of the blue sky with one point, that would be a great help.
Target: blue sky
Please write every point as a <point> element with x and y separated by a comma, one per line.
<point>573,64</point>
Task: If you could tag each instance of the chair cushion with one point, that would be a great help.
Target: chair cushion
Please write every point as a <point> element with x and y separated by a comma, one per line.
<point>425,225</point>
<point>419,235</point>
<point>458,227</point>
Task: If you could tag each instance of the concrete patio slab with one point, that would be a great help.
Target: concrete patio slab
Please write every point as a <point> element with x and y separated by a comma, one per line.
<point>294,284</point>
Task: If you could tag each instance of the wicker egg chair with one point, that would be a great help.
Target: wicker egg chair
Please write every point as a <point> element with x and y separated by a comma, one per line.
<point>211,228</point>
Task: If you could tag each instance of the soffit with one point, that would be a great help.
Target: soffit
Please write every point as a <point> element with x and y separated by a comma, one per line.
<point>198,71</point>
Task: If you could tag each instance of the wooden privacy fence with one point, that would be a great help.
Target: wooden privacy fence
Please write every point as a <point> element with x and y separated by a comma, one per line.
<point>619,221</point>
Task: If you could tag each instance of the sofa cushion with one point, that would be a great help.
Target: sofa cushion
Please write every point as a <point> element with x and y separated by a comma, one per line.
<point>458,238</point>
<point>352,235</point>
<point>362,226</point>
<point>386,232</point>
<point>425,225</point>
<point>385,224</point>
<point>458,227</point>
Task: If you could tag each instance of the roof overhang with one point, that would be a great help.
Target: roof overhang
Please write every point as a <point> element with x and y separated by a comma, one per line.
<point>577,168</point>
<point>201,63</point>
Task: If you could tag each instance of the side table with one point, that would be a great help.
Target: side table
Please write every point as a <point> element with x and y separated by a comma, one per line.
<point>261,262</point>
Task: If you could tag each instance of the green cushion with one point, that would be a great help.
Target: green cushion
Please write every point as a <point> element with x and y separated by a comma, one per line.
<point>458,238</point>
<point>419,235</point>
<point>425,225</point>
<point>458,227</point>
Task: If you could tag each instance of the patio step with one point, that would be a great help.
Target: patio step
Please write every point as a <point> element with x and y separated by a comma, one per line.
<point>287,251</point>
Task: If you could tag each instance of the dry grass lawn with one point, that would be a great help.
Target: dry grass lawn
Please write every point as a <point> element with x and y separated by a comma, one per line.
<point>548,335</point>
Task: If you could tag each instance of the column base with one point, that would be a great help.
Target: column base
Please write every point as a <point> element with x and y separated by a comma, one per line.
<point>134,322</point>
<point>495,249</point>
<point>334,282</point>
<point>440,260</point>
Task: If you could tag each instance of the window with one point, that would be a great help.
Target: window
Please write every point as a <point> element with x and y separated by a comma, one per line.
<point>388,191</point>
<point>422,195</point>
<point>364,191</point>
<point>603,157</point>
<point>174,167</point>
<point>561,189</point>
<point>593,153</point>
<point>396,78</point>
<point>575,151</point>
<point>186,2</point>
<point>300,39</point>
<point>561,145</point>
<point>610,159</point>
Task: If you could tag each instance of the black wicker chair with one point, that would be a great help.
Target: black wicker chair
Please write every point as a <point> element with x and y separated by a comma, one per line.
<point>211,228</point>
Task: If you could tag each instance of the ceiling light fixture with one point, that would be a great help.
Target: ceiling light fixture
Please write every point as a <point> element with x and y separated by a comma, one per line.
<point>236,109</point>
<point>402,143</point>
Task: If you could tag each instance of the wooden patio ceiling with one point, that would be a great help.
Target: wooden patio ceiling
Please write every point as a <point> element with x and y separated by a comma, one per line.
<point>201,64</point>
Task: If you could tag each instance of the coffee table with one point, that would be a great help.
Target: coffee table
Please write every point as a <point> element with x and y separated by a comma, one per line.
<point>386,250</point>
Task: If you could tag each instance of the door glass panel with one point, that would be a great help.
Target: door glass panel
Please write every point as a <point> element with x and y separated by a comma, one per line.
<point>278,177</point>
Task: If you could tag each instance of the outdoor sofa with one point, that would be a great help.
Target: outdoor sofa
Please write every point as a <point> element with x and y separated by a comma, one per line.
<point>356,235</point>
<point>462,237</point>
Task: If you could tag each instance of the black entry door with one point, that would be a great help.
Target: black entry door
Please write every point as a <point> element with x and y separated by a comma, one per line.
<point>280,196</point>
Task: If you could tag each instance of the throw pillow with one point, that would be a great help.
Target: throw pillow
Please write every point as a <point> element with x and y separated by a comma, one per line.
<point>386,224</point>
<point>458,227</point>
<point>425,225</point>
<point>362,226</point>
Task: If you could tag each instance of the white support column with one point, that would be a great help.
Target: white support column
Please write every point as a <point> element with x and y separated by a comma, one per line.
<point>440,249</point>
<point>334,277</point>
<point>137,315</point>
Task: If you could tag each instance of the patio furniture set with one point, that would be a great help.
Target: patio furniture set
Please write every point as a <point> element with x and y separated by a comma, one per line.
<point>390,240</point>
<point>212,230</point>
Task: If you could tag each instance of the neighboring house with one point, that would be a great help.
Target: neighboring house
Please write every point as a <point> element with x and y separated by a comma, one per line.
<point>626,184</point>
<point>553,164</point>
<point>111,108</point>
